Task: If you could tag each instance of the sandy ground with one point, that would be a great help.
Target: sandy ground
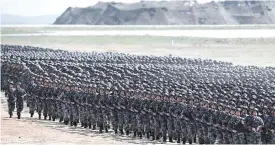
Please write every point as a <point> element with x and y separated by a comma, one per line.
<point>33,131</point>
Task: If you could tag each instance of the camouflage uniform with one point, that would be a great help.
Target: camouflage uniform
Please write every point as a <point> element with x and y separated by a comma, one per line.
<point>253,122</point>
<point>45,103</point>
<point>39,102</point>
<point>212,135</point>
<point>226,133</point>
<point>115,110</point>
<point>60,107</point>
<point>177,121</point>
<point>66,109</point>
<point>236,128</point>
<point>19,101</point>
<point>138,118</point>
<point>11,100</point>
<point>147,119</point>
<point>164,118</point>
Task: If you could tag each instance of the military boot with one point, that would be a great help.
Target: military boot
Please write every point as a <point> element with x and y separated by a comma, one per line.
<point>178,140</point>
<point>94,127</point>
<point>101,129</point>
<point>71,123</point>
<point>153,136</point>
<point>32,115</point>
<point>170,139</point>
<point>121,131</point>
<point>115,131</point>
<point>127,132</point>
<point>45,117</point>
<point>164,138</point>
<point>140,135</point>
<point>53,118</point>
<point>135,134</point>
<point>195,139</point>
<point>106,129</point>
<point>147,135</point>
<point>50,118</point>
<point>66,122</point>
<point>190,141</point>
<point>39,116</point>
<point>184,140</point>
<point>157,137</point>
<point>201,141</point>
<point>18,116</point>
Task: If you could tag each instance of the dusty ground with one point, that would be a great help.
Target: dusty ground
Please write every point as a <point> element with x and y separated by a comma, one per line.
<point>33,131</point>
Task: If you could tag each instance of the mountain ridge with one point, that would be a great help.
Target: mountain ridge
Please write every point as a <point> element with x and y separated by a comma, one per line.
<point>171,13</point>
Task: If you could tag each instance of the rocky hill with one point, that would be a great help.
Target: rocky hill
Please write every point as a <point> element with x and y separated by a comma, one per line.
<point>172,13</point>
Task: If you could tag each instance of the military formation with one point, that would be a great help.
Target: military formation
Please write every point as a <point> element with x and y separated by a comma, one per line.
<point>168,99</point>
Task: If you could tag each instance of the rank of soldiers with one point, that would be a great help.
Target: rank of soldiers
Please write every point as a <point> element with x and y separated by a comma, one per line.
<point>159,98</point>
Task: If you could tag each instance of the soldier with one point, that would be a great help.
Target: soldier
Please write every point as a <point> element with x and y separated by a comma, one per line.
<point>82,109</point>
<point>100,109</point>
<point>226,133</point>
<point>265,116</point>
<point>170,121</point>
<point>45,101</point>
<point>85,108</point>
<point>184,123</point>
<point>237,128</point>
<point>126,113</point>
<point>49,102</point>
<point>199,124</point>
<point>105,109</point>
<point>157,122</point>
<point>191,127</point>
<point>147,118</point>
<point>254,125</point>
<point>19,94</point>
<point>93,105</point>
<point>66,107</point>
<point>60,105</point>
<point>220,117</point>
<point>153,116</point>
<point>270,127</point>
<point>206,123</point>
<point>213,131</point>
<point>75,106</point>
<point>177,121</point>
<point>121,110</point>
<point>39,100</point>
<point>30,97</point>
<point>11,98</point>
<point>139,117</point>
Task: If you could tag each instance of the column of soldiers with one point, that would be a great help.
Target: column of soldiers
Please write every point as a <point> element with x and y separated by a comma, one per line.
<point>158,98</point>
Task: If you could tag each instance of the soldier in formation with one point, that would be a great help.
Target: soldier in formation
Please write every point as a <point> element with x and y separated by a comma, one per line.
<point>158,98</point>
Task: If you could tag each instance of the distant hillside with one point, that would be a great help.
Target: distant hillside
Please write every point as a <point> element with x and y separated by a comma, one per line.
<point>13,19</point>
<point>171,13</point>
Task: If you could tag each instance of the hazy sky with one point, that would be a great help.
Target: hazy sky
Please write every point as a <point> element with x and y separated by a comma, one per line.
<point>48,7</point>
